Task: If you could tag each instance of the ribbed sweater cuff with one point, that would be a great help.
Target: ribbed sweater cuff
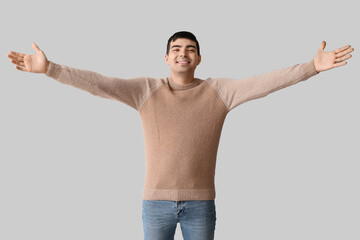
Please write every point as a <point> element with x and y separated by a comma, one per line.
<point>311,71</point>
<point>54,70</point>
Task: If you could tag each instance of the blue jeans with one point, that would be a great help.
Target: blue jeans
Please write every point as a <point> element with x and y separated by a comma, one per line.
<point>197,219</point>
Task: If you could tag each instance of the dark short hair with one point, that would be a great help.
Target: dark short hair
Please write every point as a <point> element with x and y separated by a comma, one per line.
<point>183,34</point>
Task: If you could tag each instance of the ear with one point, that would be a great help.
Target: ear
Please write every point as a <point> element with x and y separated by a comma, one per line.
<point>199,59</point>
<point>167,58</point>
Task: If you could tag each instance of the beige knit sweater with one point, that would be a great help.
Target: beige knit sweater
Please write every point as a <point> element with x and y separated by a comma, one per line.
<point>181,123</point>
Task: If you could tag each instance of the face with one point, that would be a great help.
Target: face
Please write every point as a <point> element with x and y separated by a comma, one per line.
<point>183,57</point>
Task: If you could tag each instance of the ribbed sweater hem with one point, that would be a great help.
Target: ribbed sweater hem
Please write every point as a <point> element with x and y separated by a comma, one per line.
<point>179,194</point>
<point>54,70</point>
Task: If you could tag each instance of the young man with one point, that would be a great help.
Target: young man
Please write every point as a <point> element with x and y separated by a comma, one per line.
<point>182,118</point>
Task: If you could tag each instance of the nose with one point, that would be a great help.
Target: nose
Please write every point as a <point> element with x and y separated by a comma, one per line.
<point>183,53</point>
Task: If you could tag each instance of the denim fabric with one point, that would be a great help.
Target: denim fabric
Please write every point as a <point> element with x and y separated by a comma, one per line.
<point>197,219</point>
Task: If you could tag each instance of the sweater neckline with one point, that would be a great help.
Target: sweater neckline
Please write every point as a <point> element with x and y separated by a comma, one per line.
<point>176,86</point>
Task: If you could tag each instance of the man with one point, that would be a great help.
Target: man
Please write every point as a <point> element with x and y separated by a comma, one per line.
<point>182,118</point>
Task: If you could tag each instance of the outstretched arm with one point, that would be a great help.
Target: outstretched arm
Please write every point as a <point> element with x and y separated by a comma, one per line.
<point>129,91</point>
<point>237,91</point>
<point>327,60</point>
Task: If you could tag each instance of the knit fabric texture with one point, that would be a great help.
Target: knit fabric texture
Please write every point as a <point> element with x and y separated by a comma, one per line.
<point>181,123</point>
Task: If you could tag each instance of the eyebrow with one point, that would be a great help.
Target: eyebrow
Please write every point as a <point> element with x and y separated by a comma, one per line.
<point>187,46</point>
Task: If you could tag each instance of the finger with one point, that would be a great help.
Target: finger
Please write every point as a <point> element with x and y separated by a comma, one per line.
<point>342,49</point>
<point>18,63</point>
<point>343,58</point>
<point>37,49</point>
<point>17,54</point>
<point>339,64</point>
<point>21,59</point>
<point>343,53</point>
<point>21,69</point>
<point>322,45</point>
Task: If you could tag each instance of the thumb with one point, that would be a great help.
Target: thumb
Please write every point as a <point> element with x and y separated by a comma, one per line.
<point>323,45</point>
<point>37,49</point>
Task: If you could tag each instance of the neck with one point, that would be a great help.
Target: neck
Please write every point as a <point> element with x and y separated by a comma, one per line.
<point>182,78</point>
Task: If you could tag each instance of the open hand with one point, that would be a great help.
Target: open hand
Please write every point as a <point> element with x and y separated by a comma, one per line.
<point>327,60</point>
<point>37,63</point>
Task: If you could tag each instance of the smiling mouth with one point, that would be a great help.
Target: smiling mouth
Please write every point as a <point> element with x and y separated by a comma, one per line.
<point>183,62</point>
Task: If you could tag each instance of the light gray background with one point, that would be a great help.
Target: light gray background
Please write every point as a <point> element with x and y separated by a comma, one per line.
<point>72,164</point>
